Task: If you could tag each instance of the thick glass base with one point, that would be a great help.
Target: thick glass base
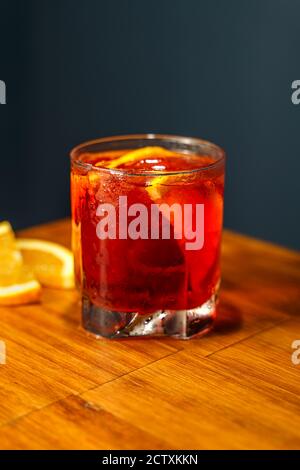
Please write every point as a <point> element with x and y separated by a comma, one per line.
<point>183,324</point>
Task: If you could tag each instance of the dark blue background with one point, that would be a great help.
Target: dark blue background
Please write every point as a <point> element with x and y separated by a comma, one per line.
<point>220,70</point>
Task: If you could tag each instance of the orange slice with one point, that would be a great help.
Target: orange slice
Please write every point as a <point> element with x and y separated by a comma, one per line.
<point>24,291</point>
<point>10,257</point>
<point>17,283</point>
<point>154,189</point>
<point>52,264</point>
<point>138,154</point>
<point>7,236</point>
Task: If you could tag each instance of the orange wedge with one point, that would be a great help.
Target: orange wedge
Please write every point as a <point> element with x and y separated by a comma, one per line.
<point>17,283</point>
<point>154,189</point>
<point>52,264</point>
<point>7,236</point>
<point>24,291</point>
<point>138,154</point>
<point>10,257</point>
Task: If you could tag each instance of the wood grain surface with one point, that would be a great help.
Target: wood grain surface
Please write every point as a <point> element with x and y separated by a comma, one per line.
<point>236,388</point>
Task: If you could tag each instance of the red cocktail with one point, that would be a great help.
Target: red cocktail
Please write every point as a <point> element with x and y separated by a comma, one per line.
<point>147,222</point>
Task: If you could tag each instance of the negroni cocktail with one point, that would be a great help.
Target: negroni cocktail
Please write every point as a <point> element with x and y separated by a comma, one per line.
<point>147,221</point>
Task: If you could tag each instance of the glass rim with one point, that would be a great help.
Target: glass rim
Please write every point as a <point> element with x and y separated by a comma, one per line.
<point>76,151</point>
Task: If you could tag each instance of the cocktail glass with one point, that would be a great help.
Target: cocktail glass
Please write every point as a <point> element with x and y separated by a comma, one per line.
<point>146,230</point>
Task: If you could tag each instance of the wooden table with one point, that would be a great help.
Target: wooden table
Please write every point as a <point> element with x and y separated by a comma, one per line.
<point>235,388</point>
